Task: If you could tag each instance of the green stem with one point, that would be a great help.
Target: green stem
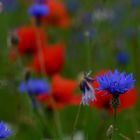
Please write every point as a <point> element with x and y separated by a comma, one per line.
<point>115,117</point>
<point>135,51</point>
<point>40,112</point>
<point>76,121</point>
<point>114,123</point>
<point>58,124</point>
<point>42,65</point>
<point>88,49</point>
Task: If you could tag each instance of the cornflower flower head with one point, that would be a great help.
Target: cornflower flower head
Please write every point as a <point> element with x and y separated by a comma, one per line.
<point>4,130</point>
<point>115,83</point>
<point>34,86</point>
<point>88,93</point>
<point>122,58</point>
<point>38,10</point>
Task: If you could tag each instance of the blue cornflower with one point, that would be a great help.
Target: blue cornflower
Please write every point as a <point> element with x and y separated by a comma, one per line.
<point>88,93</point>
<point>115,83</point>
<point>122,58</point>
<point>4,131</point>
<point>38,10</point>
<point>34,86</point>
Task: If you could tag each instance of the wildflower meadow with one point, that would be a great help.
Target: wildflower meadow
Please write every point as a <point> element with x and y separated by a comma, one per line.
<point>69,70</point>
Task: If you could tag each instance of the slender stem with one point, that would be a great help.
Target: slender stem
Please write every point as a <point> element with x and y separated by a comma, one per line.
<point>76,121</point>
<point>88,50</point>
<point>114,123</point>
<point>115,117</point>
<point>124,136</point>
<point>135,51</point>
<point>40,53</point>
<point>58,124</point>
<point>20,65</point>
<point>57,119</point>
<point>42,65</point>
<point>110,138</point>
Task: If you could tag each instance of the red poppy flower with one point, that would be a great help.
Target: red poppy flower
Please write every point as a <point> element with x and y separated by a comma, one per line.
<point>103,101</point>
<point>53,59</point>
<point>62,93</point>
<point>29,39</point>
<point>57,15</point>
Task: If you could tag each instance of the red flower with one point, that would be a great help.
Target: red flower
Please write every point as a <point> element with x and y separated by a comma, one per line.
<point>62,93</point>
<point>103,101</point>
<point>53,59</point>
<point>57,15</point>
<point>29,39</point>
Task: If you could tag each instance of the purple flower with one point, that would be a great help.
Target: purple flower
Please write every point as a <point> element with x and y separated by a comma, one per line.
<point>38,10</point>
<point>122,58</point>
<point>34,87</point>
<point>4,131</point>
<point>115,83</point>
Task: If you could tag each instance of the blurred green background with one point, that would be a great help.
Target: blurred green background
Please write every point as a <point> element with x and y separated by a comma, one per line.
<point>96,52</point>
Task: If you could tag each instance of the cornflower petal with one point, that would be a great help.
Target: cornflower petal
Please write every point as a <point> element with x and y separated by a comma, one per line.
<point>115,82</point>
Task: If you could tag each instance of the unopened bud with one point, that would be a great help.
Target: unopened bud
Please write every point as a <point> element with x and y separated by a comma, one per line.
<point>109,131</point>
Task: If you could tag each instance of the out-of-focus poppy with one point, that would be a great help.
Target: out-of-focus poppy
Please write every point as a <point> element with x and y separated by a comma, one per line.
<point>127,100</point>
<point>57,15</point>
<point>30,38</point>
<point>61,94</point>
<point>53,59</point>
